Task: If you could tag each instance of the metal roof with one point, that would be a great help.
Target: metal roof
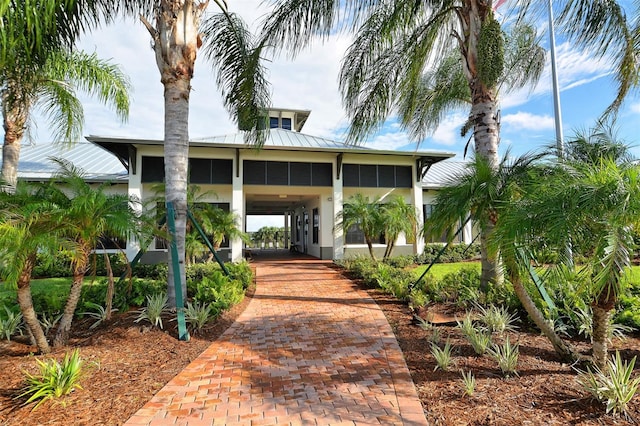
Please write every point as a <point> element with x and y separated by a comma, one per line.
<point>98,164</point>
<point>441,173</point>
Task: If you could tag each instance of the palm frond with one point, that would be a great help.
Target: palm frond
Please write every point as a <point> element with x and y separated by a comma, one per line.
<point>236,57</point>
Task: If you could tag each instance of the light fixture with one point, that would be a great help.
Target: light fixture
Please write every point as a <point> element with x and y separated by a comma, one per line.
<point>282,196</point>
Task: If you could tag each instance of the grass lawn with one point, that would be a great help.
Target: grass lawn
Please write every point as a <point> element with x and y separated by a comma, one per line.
<point>439,270</point>
<point>44,287</point>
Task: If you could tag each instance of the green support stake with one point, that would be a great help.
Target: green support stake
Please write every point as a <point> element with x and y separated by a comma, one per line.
<point>183,333</point>
<point>207,242</point>
<point>536,279</point>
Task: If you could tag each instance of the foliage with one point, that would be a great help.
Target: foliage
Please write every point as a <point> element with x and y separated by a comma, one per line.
<point>468,383</point>
<point>242,272</point>
<point>506,355</point>
<point>152,312</point>
<point>585,326</point>
<point>54,380</point>
<point>453,253</point>
<point>490,52</point>
<point>48,321</point>
<point>417,298</point>
<point>480,340</point>
<point>612,385</point>
<point>497,319</point>
<point>219,290</point>
<point>10,323</point>
<point>197,315</point>
<point>99,314</point>
<point>128,293</point>
<point>443,356</point>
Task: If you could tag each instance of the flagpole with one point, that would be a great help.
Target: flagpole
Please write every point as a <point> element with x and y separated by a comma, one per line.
<point>556,88</point>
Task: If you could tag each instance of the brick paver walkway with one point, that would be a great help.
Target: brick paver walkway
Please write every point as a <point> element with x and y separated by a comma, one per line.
<point>310,349</point>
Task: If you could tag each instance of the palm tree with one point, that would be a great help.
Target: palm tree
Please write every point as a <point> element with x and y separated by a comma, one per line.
<point>366,215</point>
<point>50,86</point>
<point>388,66</point>
<point>595,204</point>
<point>398,218</point>
<point>224,225</point>
<point>177,33</point>
<point>84,215</point>
<point>27,226</point>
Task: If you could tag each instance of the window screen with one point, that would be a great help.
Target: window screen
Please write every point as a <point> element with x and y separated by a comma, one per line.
<point>277,173</point>
<point>322,174</point>
<point>152,169</point>
<point>255,172</point>
<point>286,123</point>
<point>300,174</point>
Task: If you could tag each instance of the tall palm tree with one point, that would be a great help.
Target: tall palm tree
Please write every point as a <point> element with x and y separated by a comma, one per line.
<point>398,218</point>
<point>364,213</point>
<point>84,215</point>
<point>27,227</point>
<point>177,33</point>
<point>388,67</point>
<point>51,86</point>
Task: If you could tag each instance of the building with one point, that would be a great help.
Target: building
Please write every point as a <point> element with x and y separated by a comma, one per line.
<point>304,178</point>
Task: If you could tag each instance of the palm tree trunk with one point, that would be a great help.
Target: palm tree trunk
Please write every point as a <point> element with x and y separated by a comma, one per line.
<point>14,122</point>
<point>64,326</point>
<point>110,287</point>
<point>26,307</point>
<point>564,350</point>
<point>602,311</point>
<point>370,246</point>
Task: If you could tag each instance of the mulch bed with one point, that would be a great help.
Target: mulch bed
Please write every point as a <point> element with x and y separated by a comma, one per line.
<point>130,362</point>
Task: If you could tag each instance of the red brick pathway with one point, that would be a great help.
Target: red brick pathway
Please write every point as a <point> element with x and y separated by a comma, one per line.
<point>310,349</point>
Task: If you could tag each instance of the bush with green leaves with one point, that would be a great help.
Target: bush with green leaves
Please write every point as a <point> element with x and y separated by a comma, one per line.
<point>242,272</point>
<point>393,280</point>
<point>197,315</point>
<point>50,266</point>
<point>497,319</point>
<point>128,293</point>
<point>453,253</point>
<point>99,313</point>
<point>584,318</point>
<point>152,312</point>
<point>506,355</point>
<point>54,380</point>
<point>418,298</point>
<point>629,312</point>
<point>10,322</point>
<point>443,356</point>
<point>612,385</point>
<point>401,261</point>
<point>157,271</point>
<point>468,383</point>
<point>220,291</point>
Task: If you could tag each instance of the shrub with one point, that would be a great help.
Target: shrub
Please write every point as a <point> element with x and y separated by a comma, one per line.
<point>401,261</point>
<point>242,272</point>
<point>453,253</point>
<point>197,315</point>
<point>99,313</point>
<point>219,290</point>
<point>506,355</point>
<point>129,292</point>
<point>443,357</point>
<point>612,386</point>
<point>10,323</point>
<point>156,306</point>
<point>498,319</point>
<point>468,383</point>
<point>55,379</point>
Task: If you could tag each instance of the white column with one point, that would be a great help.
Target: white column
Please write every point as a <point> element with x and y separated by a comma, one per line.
<point>134,191</point>
<point>286,230</point>
<point>237,207</point>
<point>338,232</point>
<point>416,200</point>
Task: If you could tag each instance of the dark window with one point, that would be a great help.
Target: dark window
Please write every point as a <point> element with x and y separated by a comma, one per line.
<point>403,177</point>
<point>354,235</point>
<point>255,172</point>
<point>300,174</point>
<point>221,171</point>
<point>427,211</point>
<point>273,123</point>
<point>351,175</point>
<point>322,174</point>
<point>316,226</point>
<point>368,176</point>
<point>372,176</point>
<point>152,169</point>
<point>111,243</point>
<point>286,123</point>
<point>200,170</point>
<point>386,177</point>
<point>277,173</point>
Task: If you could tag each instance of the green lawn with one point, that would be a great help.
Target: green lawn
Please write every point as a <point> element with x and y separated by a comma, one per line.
<point>439,270</point>
<point>58,286</point>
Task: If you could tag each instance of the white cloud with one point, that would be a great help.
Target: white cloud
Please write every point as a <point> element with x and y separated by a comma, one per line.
<point>448,133</point>
<point>635,108</point>
<point>526,121</point>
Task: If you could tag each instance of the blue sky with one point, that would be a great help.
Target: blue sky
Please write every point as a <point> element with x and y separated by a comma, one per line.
<point>310,82</point>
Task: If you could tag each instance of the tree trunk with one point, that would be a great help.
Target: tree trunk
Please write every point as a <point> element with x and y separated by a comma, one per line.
<point>64,326</point>
<point>14,122</point>
<point>370,246</point>
<point>564,350</point>
<point>26,307</point>
<point>602,311</point>
<point>175,41</point>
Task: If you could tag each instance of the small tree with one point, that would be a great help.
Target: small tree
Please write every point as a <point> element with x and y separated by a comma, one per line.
<point>398,218</point>
<point>366,214</point>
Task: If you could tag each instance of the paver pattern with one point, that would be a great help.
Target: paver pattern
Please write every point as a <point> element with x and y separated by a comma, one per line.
<point>310,349</point>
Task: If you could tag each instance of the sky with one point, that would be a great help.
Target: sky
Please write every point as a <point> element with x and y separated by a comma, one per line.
<point>310,81</point>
